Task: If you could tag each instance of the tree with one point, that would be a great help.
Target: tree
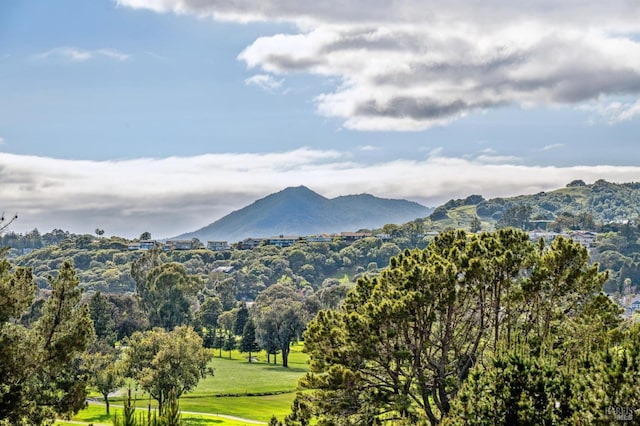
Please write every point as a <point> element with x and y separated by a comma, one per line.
<point>145,236</point>
<point>128,316</point>
<point>207,315</point>
<point>268,338</point>
<point>476,226</point>
<point>167,293</point>
<point>519,389</point>
<point>104,370</point>
<point>227,320</point>
<point>515,217</point>
<point>280,318</point>
<point>162,361</point>
<point>226,290</point>
<point>218,341</point>
<point>248,343</point>
<point>206,320</point>
<point>4,224</point>
<point>230,343</point>
<point>283,323</point>
<point>103,323</point>
<point>39,373</point>
<point>332,293</point>
<point>404,342</point>
<point>196,244</point>
<point>586,368</point>
<point>99,232</point>
<point>242,316</point>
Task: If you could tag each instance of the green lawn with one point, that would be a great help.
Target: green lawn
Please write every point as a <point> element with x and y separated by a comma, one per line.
<point>254,391</point>
<point>95,414</point>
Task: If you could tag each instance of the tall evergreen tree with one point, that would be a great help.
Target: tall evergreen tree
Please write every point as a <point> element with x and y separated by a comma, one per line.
<point>103,323</point>
<point>242,316</point>
<point>40,374</point>
<point>230,343</point>
<point>248,343</point>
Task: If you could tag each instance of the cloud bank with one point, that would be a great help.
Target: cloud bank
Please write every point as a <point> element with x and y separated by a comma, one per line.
<point>411,65</point>
<point>173,195</point>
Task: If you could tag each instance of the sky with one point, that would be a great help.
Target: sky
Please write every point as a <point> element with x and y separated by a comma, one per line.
<point>162,116</point>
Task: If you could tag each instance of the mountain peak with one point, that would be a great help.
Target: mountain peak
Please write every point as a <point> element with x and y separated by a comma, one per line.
<point>297,190</point>
<point>293,194</point>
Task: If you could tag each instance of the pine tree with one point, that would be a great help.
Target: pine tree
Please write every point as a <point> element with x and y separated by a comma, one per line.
<point>249,344</point>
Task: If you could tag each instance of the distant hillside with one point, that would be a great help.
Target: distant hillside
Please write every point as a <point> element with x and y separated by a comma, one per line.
<point>300,211</point>
<point>602,201</point>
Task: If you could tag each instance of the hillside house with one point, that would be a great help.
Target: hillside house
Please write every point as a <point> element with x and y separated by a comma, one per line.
<point>250,243</point>
<point>142,245</point>
<point>631,304</point>
<point>383,237</point>
<point>584,238</point>
<point>148,244</point>
<point>218,245</point>
<point>283,241</point>
<point>223,269</point>
<point>350,237</point>
<point>319,238</point>
<point>178,245</point>
<point>545,235</point>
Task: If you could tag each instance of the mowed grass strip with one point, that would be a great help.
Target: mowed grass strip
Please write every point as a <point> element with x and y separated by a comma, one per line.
<point>259,408</point>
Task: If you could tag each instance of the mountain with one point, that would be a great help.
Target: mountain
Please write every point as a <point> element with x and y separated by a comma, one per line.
<point>300,211</point>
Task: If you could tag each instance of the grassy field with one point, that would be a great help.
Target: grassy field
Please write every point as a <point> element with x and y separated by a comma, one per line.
<point>95,415</point>
<point>254,391</point>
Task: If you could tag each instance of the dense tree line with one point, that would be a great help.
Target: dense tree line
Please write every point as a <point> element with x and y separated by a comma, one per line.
<point>105,264</point>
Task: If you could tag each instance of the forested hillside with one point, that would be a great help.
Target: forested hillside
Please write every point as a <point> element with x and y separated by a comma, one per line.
<point>610,209</point>
<point>104,264</point>
<point>577,206</point>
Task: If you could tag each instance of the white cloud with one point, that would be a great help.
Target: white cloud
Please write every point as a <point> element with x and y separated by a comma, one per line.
<point>2,141</point>
<point>552,146</point>
<point>265,82</point>
<point>75,54</point>
<point>178,194</point>
<point>113,54</point>
<point>156,56</point>
<point>615,111</point>
<point>368,148</point>
<point>411,65</point>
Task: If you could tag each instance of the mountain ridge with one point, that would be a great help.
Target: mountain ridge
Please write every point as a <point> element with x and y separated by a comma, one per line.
<point>301,211</point>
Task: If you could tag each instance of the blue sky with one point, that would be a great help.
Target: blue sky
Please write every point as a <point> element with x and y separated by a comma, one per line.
<point>164,115</point>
